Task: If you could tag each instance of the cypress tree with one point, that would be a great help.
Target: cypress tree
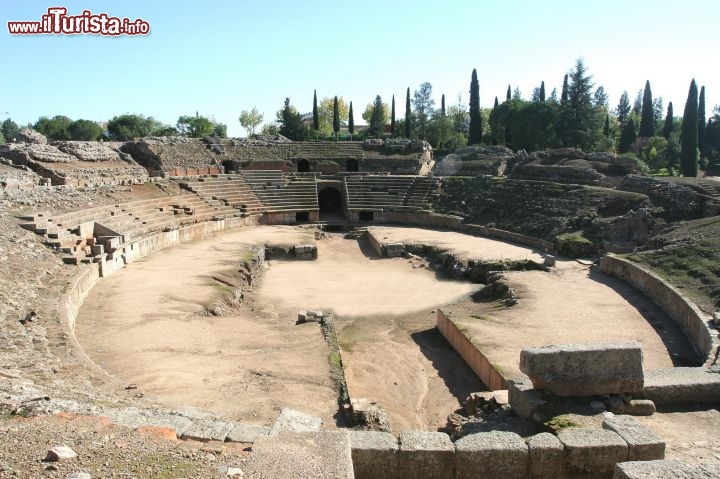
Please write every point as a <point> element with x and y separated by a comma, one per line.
<point>475,131</point>
<point>316,117</point>
<point>351,122</point>
<point>442,105</point>
<point>508,95</point>
<point>542,91</point>
<point>408,115</point>
<point>392,117</point>
<point>668,126</point>
<point>564,94</point>
<point>701,122</point>
<point>336,117</point>
<point>606,128</point>
<point>496,103</point>
<point>647,118</point>
<point>627,137</point>
<point>689,134</point>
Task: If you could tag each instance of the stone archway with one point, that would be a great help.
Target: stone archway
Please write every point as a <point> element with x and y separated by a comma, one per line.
<point>303,166</point>
<point>330,201</point>
<point>352,165</point>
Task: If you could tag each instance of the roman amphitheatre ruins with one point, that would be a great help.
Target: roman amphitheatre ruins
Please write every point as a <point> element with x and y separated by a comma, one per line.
<point>177,307</point>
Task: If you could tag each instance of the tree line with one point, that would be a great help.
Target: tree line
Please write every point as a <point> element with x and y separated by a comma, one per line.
<point>580,116</point>
<point>119,128</point>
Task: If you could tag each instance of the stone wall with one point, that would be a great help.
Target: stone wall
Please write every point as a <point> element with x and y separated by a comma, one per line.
<point>477,361</point>
<point>575,452</point>
<point>697,325</point>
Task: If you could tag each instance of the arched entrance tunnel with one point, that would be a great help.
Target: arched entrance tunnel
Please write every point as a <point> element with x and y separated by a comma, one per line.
<point>330,201</point>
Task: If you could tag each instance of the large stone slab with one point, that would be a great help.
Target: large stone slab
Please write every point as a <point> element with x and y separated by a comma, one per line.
<point>643,444</point>
<point>681,386</point>
<point>592,453</point>
<point>303,455</point>
<point>290,420</point>
<point>585,369</point>
<point>666,470</point>
<point>546,456</point>
<point>491,454</point>
<point>374,454</point>
<point>425,455</point>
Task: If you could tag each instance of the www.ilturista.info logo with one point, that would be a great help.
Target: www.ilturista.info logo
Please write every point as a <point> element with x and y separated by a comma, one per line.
<point>58,22</point>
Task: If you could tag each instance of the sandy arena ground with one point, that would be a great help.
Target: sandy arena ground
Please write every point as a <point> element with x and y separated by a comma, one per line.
<point>248,366</point>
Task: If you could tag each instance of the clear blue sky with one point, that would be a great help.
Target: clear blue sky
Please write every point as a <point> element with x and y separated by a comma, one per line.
<point>220,57</point>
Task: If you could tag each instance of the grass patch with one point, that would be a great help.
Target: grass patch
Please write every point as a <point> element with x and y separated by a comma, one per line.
<point>558,423</point>
<point>689,259</point>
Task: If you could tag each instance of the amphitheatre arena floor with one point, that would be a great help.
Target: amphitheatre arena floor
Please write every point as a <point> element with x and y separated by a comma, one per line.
<point>142,325</point>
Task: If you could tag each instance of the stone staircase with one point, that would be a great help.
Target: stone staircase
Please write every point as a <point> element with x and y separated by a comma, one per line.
<point>390,193</point>
<point>282,193</point>
<point>231,190</point>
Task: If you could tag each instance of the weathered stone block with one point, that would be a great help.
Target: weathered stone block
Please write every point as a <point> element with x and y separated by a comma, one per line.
<point>523,398</point>
<point>546,456</point>
<point>643,444</point>
<point>246,433</point>
<point>592,453</point>
<point>207,429</point>
<point>491,454</point>
<point>374,454</point>
<point>681,386</point>
<point>290,420</point>
<point>666,470</point>
<point>585,369</point>
<point>425,455</point>
<point>640,407</point>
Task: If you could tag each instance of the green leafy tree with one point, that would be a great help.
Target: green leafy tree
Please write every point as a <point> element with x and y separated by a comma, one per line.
<point>653,152</point>
<point>647,118</point>
<point>565,90</point>
<point>606,128</point>
<point>392,117</point>
<point>408,115</point>
<point>600,98</point>
<point>165,130</point>
<point>672,155</point>
<point>627,137</point>
<point>316,117</point>
<point>250,120</point>
<point>8,130</point>
<point>351,121</point>
<point>424,108</point>
<point>528,125</point>
<point>290,123</point>
<point>2,138</point>
<point>475,133</point>
<point>220,130</point>
<point>269,129</point>
<point>378,118</point>
<point>55,128</point>
<point>668,125</point>
<point>689,134</point>
<point>85,130</point>
<point>336,117</point>
<point>712,139</point>
<point>701,122</point>
<point>326,115</point>
<point>195,126</point>
<point>129,127</point>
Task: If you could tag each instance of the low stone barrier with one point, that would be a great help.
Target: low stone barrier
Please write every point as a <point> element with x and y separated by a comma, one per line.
<point>467,350</point>
<point>575,452</point>
<point>697,325</point>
